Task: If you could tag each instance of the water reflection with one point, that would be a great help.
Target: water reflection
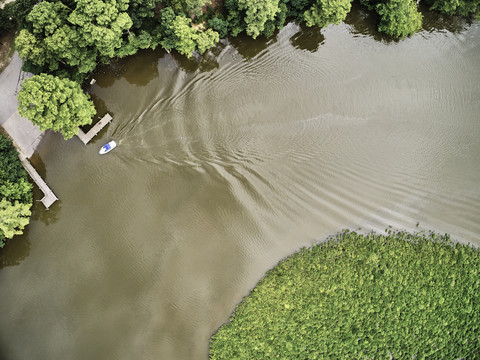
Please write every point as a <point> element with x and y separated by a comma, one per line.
<point>203,63</point>
<point>130,69</point>
<point>435,21</point>
<point>48,217</point>
<point>249,48</point>
<point>308,38</point>
<point>15,251</point>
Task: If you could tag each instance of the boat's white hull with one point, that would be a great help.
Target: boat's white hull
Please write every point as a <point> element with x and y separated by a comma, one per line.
<point>108,147</point>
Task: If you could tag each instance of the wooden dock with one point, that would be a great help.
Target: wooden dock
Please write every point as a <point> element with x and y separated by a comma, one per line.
<point>48,196</point>
<point>94,130</point>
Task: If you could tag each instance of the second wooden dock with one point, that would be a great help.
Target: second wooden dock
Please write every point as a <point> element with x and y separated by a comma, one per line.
<point>86,137</point>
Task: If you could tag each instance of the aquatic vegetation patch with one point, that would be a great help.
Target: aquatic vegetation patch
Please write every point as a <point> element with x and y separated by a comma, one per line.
<point>396,295</point>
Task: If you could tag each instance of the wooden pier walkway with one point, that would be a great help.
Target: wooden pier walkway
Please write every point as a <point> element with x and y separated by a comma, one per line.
<point>26,138</point>
<point>94,130</point>
<point>48,196</point>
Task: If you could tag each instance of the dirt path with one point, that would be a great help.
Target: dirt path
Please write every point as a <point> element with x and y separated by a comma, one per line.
<point>6,49</point>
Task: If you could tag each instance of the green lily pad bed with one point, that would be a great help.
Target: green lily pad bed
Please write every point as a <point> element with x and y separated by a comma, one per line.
<point>396,295</point>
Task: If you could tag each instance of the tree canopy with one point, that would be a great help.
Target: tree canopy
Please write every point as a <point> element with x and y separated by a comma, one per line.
<point>325,12</point>
<point>13,219</point>
<point>455,7</point>
<point>54,103</point>
<point>57,37</point>
<point>257,13</point>
<point>396,295</point>
<point>15,193</point>
<point>178,34</point>
<point>399,18</point>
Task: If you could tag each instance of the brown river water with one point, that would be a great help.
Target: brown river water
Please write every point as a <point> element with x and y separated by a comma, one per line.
<point>226,164</point>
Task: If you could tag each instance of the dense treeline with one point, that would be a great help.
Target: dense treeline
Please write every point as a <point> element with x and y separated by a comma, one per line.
<point>68,38</point>
<point>15,193</point>
<point>377,296</point>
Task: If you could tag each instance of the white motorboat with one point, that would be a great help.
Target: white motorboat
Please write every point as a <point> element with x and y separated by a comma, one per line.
<point>108,147</point>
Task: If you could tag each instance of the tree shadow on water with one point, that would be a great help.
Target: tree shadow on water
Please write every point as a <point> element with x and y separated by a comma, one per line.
<point>308,38</point>
<point>50,216</point>
<point>202,63</point>
<point>363,22</point>
<point>248,47</point>
<point>435,21</point>
<point>15,251</point>
<point>138,69</point>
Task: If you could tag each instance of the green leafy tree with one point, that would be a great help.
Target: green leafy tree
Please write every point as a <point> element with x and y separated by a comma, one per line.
<point>191,8</point>
<point>15,192</point>
<point>58,38</point>
<point>14,13</point>
<point>296,8</point>
<point>50,42</point>
<point>43,21</point>
<point>178,34</point>
<point>142,12</point>
<point>145,31</point>
<point>13,219</point>
<point>101,24</point>
<point>455,7</point>
<point>399,18</point>
<point>54,103</point>
<point>14,184</point>
<point>219,25</point>
<point>235,17</point>
<point>6,23</point>
<point>325,12</point>
<point>257,13</point>
<point>206,40</point>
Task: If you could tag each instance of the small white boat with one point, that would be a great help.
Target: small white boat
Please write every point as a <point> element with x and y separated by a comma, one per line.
<point>108,147</point>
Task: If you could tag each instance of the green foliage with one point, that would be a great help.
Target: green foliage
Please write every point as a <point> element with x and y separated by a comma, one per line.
<point>15,192</point>
<point>455,7</point>
<point>393,296</point>
<point>235,17</point>
<point>64,40</point>
<point>141,12</point>
<point>257,13</point>
<point>191,8</point>
<point>178,34</point>
<point>6,20</point>
<point>101,24</point>
<point>399,18</point>
<point>14,14</point>
<point>206,40</point>
<point>13,177</point>
<point>219,25</point>
<point>325,12</point>
<point>54,103</point>
<point>369,4</point>
<point>13,219</point>
<point>296,8</point>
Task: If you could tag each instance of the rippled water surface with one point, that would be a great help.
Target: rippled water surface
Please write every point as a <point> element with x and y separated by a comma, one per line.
<point>225,165</point>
